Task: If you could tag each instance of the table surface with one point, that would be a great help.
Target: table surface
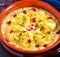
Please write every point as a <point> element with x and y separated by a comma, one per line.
<point>3,53</point>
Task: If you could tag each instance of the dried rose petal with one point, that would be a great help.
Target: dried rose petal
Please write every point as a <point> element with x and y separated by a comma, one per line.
<point>58,32</point>
<point>14,15</point>
<point>29,40</point>
<point>45,45</point>
<point>30,28</point>
<point>11,0</point>
<point>11,31</point>
<point>33,8</point>
<point>50,17</point>
<point>0,4</point>
<point>3,4</point>
<point>42,28</point>
<point>9,22</point>
<point>36,25</point>
<point>33,19</point>
<point>48,32</point>
<point>24,11</point>
<point>7,40</point>
<point>37,45</point>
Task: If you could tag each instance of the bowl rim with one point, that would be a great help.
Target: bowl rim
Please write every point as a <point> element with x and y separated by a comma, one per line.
<point>42,5</point>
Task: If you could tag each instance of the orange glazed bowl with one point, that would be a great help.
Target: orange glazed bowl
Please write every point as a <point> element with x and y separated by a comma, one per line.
<point>28,3</point>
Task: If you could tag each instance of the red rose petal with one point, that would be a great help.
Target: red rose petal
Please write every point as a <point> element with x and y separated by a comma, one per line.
<point>11,31</point>
<point>7,40</point>
<point>36,25</point>
<point>45,45</point>
<point>42,28</point>
<point>50,17</point>
<point>29,40</point>
<point>14,15</point>
<point>3,4</point>
<point>11,0</point>
<point>24,11</point>
<point>48,32</point>
<point>9,22</point>
<point>33,19</point>
<point>30,28</point>
<point>58,32</point>
<point>0,4</point>
<point>37,45</point>
<point>33,8</point>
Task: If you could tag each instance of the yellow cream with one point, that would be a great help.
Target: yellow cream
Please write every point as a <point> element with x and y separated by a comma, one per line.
<point>30,28</point>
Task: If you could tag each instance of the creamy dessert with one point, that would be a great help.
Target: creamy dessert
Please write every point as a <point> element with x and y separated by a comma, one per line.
<point>31,28</point>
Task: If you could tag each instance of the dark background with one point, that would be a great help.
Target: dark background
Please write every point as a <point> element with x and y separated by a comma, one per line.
<point>6,3</point>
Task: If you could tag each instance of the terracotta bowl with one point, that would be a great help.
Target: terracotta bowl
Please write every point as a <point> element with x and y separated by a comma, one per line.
<point>30,3</point>
<point>13,53</point>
